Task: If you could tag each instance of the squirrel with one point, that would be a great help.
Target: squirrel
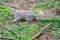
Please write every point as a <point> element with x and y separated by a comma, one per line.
<point>28,15</point>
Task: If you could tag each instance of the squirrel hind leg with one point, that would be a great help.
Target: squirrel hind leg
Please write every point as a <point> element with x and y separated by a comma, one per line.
<point>29,20</point>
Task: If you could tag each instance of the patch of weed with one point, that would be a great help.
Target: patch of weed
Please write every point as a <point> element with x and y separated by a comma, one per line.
<point>4,13</point>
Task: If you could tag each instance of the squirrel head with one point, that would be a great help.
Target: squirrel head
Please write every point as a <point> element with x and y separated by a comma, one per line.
<point>12,11</point>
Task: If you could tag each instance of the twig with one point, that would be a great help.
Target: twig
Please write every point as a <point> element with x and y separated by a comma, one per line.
<point>11,31</point>
<point>2,37</point>
<point>41,31</point>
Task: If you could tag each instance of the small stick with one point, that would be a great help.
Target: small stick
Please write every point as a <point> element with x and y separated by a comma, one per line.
<point>40,31</point>
<point>11,31</point>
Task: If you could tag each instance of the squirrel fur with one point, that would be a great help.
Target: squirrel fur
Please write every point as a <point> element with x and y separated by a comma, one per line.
<point>28,15</point>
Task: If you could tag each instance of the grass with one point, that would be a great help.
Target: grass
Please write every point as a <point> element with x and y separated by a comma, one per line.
<point>48,4</point>
<point>54,28</point>
<point>4,13</point>
<point>5,0</point>
<point>25,29</point>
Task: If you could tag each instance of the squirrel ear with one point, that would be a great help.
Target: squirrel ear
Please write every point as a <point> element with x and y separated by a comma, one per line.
<point>13,9</point>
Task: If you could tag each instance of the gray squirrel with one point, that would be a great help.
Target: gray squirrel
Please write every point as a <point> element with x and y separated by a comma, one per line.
<point>28,15</point>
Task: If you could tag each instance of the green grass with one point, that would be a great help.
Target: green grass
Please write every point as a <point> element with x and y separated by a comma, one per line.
<point>48,4</point>
<point>55,27</point>
<point>5,0</point>
<point>35,11</point>
<point>25,29</point>
<point>4,13</point>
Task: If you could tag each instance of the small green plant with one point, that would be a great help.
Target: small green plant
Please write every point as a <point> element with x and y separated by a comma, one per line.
<point>5,0</point>
<point>55,27</point>
<point>35,11</point>
<point>48,4</point>
<point>4,13</point>
<point>23,32</point>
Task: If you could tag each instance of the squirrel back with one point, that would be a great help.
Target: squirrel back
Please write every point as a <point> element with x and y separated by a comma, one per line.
<point>22,14</point>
